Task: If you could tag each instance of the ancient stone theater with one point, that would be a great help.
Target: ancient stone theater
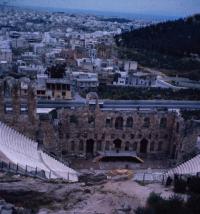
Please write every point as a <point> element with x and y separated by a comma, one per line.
<point>90,129</point>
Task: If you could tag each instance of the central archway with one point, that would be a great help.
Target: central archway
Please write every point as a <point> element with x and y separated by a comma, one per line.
<point>90,147</point>
<point>143,146</point>
<point>118,144</point>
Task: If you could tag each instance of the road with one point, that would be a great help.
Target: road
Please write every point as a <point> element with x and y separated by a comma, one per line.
<point>118,104</point>
<point>121,104</point>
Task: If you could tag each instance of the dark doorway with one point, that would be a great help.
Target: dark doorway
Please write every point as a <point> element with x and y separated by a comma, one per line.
<point>90,147</point>
<point>143,146</point>
<point>118,144</point>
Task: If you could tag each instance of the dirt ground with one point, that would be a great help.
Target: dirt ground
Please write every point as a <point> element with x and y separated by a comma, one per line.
<point>57,197</point>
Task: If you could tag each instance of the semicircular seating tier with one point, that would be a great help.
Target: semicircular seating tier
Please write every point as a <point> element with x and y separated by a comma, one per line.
<point>191,166</point>
<point>23,151</point>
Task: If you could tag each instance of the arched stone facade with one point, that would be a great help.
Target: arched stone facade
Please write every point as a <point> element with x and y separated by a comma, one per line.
<point>152,133</point>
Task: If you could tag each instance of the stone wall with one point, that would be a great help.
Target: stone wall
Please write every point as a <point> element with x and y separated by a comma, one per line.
<point>11,101</point>
<point>87,130</point>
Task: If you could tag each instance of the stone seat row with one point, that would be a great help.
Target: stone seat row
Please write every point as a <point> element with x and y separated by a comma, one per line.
<point>23,151</point>
<point>189,167</point>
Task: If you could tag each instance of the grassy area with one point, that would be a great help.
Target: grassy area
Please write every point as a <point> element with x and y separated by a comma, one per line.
<point>170,65</point>
<point>130,93</point>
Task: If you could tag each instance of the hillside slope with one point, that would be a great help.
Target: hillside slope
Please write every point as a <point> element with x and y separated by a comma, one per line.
<point>171,45</point>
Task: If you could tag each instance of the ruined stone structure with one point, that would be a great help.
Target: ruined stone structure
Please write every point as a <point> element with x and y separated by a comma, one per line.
<point>87,130</point>
<point>17,110</point>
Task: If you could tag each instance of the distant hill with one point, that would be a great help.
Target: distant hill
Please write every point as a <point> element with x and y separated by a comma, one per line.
<point>169,45</point>
<point>118,20</point>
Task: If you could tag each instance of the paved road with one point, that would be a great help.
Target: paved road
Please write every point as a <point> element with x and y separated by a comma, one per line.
<point>120,104</point>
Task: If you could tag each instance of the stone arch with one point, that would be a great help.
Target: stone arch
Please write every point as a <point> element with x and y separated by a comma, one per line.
<point>129,122</point>
<point>118,144</point>
<point>90,147</point>
<point>143,146</point>
<point>119,123</point>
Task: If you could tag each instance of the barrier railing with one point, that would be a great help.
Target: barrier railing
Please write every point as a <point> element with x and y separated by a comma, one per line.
<point>35,172</point>
<point>23,170</point>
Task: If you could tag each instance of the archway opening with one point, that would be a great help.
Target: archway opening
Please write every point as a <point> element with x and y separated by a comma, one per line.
<point>118,144</point>
<point>129,122</point>
<point>143,146</point>
<point>90,147</point>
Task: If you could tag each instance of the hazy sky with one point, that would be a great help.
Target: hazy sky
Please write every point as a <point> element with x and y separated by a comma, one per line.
<point>162,7</point>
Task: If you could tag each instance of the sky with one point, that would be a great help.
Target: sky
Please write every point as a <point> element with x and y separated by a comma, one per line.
<point>156,7</point>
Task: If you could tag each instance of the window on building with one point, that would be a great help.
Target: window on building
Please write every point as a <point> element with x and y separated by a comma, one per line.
<point>129,122</point>
<point>108,122</point>
<point>163,123</point>
<point>132,136</point>
<point>119,123</point>
<point>64,87</point>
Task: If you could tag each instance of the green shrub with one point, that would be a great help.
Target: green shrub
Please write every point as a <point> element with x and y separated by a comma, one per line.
<point>180,185</point>
<point>193,204</point>
<point>194,185</point>
<point>157,205</point>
